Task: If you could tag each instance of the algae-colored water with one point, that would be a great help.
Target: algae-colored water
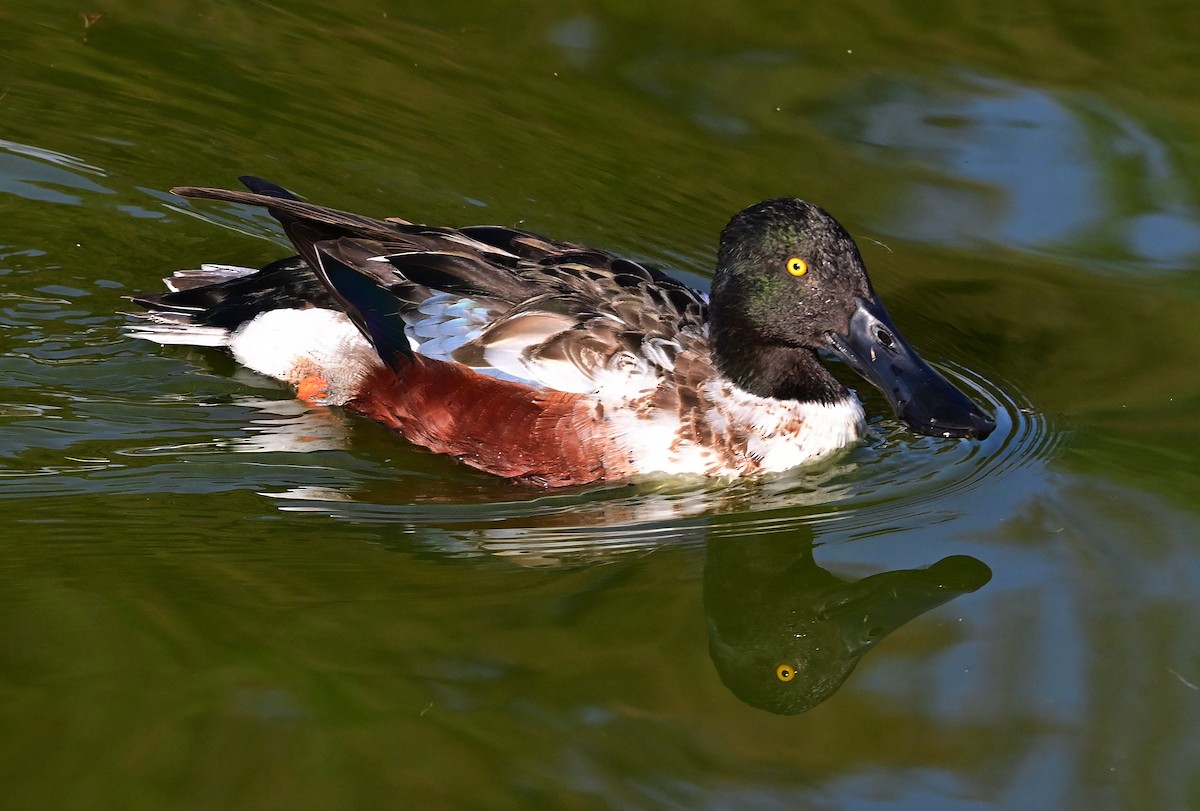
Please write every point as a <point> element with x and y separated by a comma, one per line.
<point>212,598</point>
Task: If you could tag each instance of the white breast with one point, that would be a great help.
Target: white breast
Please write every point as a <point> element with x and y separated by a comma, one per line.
<point>782,434</point>
<point>749,434</point>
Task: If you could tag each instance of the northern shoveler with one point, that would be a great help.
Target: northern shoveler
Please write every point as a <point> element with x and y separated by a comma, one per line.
<point>557,364</point>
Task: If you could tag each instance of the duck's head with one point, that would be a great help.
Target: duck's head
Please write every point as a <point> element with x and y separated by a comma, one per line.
<point>789,282</point>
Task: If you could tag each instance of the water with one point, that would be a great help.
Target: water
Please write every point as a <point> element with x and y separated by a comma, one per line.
<point>211,597</point>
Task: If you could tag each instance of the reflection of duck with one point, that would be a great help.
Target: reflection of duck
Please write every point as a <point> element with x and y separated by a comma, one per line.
<point>784,633</point>
<point>558,364</point>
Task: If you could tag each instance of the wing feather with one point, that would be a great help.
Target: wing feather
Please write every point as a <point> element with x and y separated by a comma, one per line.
<point>507,302</point>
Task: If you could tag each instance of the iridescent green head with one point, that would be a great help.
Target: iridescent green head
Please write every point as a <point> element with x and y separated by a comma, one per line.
<point>790,281</point>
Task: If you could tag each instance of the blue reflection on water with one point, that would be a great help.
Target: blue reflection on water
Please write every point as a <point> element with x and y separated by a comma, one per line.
<point>29,172</point>
<point>993,161</point>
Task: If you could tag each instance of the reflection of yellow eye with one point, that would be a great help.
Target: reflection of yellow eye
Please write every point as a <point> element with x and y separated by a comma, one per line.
<point>785,672</point>
<point>797,266</point>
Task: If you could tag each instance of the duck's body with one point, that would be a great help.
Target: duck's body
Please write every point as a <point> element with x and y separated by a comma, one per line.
<point>537,360</point>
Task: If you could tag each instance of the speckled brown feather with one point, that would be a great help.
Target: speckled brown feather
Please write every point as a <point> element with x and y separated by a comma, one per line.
<point>509,270</point>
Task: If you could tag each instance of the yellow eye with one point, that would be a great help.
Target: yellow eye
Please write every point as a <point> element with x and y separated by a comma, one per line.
<point>785,672</point>
<point>797,266</point>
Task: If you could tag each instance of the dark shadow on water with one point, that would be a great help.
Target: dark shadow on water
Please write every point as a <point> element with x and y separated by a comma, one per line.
<point>784,634</point>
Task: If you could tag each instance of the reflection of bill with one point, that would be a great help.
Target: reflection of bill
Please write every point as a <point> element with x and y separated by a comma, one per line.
<point>784,633</point>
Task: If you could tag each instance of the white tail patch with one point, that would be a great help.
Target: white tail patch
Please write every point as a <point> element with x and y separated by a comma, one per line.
<point>287,344</point>
<point>291,344</point>
<point>180,334</point>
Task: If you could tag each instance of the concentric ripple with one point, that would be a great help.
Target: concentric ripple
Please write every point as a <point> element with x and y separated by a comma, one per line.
<point>905,482</point>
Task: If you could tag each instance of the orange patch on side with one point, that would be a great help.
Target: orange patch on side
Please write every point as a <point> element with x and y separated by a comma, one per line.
<point>509,429</point>
<point>313,389</point>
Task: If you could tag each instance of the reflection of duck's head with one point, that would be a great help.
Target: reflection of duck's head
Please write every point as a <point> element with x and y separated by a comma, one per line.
<point>784,633</point>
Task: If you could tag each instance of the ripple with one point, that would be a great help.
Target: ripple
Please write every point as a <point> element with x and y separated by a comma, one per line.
<point>906,482</point>
<point>38,174</point>
<point>894,481</point>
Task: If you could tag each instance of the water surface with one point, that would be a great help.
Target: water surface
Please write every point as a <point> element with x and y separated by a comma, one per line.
<point>211,597</point>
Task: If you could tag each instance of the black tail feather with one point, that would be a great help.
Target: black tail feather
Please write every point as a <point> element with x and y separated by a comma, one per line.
<point>266,187</point>
<point>285,207</point>
<point>229,304</point>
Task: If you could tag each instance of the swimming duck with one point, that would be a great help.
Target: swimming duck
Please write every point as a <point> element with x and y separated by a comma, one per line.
<point>558,364</point>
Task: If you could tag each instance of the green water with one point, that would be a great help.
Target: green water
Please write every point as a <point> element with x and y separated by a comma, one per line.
<point>211,598</point>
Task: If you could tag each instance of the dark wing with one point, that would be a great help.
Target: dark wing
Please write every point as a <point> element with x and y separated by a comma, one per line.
<point>504,301</point>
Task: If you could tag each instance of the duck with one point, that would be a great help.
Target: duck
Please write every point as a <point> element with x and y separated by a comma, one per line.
<point>555,364</point>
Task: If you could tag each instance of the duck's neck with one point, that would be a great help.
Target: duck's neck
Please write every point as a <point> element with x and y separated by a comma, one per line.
<point>776,371</point>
